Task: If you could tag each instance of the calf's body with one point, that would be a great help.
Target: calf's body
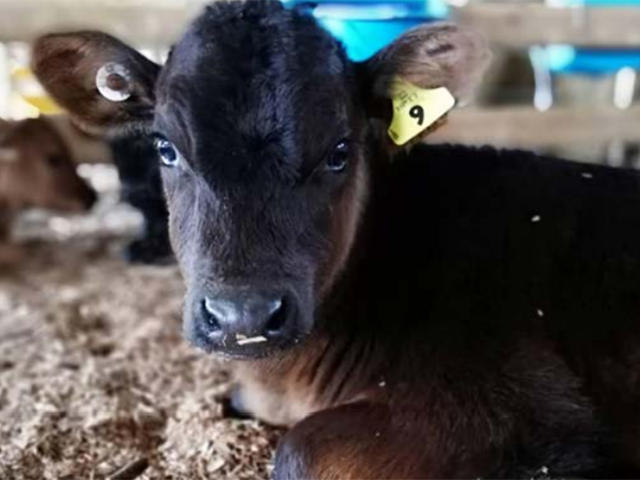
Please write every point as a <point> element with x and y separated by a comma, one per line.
<point>430,312</point>
<point>487,325</point>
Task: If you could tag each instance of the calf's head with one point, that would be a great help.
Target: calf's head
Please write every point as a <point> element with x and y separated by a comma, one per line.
<point>262,125</point>
<point>36,169</point>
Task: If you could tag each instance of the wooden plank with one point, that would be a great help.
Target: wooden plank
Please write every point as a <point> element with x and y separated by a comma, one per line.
<point>519,25</point>
<point>143,23</point>
<point>159,22</point>
<point>524,127</point>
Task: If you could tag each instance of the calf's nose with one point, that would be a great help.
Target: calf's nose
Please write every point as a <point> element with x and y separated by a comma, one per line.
<point>247,317</point>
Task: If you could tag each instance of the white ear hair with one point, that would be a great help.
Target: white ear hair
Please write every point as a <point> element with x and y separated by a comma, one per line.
<point>8,155</point>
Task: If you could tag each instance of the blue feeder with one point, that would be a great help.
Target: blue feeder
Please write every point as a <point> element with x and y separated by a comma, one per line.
<point>364,27</point>
<point>568,59</point>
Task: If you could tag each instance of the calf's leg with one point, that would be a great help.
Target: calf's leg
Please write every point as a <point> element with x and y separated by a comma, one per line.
<point>511,417</point>
<point>354,441</point>
<point>365,441</point>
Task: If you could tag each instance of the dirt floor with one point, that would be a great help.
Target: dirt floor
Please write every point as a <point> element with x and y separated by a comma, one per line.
<point>96,381</point>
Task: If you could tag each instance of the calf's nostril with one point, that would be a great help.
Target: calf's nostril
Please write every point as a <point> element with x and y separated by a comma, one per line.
<point>208,312</point>
<point>277,317</point>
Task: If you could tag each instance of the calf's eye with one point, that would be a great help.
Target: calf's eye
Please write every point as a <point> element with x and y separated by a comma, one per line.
<point>337,161</point>
<point>169,155</point>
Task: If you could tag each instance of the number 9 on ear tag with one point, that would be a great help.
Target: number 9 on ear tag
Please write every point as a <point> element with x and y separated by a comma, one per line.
<point>414,109</point>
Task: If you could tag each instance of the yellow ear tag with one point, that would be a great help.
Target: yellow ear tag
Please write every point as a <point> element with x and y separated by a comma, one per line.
<point>414,109</point>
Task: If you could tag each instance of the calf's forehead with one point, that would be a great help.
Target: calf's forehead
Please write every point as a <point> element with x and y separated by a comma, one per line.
<point>254,37</point>
<point>254,67</point>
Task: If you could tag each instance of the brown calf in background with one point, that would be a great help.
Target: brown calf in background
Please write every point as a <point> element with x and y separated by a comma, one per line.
<point>36,170</point>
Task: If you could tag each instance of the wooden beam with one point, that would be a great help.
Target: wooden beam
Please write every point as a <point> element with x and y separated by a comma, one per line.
<point>143,23</point>
<point>519,25</point>
<point>524,127</point>
<point>159,22</point>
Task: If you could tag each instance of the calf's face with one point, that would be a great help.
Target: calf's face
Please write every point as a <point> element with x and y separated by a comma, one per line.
<point>261,124</point>
<point>37,170</point>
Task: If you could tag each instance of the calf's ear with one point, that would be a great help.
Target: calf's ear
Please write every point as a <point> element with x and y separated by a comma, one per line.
<point>105,85</point>
<point>427,57</point>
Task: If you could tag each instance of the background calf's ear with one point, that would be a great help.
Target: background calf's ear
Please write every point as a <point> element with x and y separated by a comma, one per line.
<point>67,66</point>
<point>429,56</point>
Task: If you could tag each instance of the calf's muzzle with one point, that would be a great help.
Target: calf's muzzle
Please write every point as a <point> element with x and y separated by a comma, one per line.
<point>246,322</point>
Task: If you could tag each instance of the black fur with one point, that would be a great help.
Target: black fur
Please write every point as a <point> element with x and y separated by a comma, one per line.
<point>137,163</point>
<point>513,279</point>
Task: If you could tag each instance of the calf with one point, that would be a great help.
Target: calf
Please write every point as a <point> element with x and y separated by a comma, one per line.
<point>425,312</point>
<point>36,170</point>
<point>138,168</point>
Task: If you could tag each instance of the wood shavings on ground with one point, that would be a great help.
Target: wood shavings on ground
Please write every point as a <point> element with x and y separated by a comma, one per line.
<point>244,340</point>
<point>96,381</point>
